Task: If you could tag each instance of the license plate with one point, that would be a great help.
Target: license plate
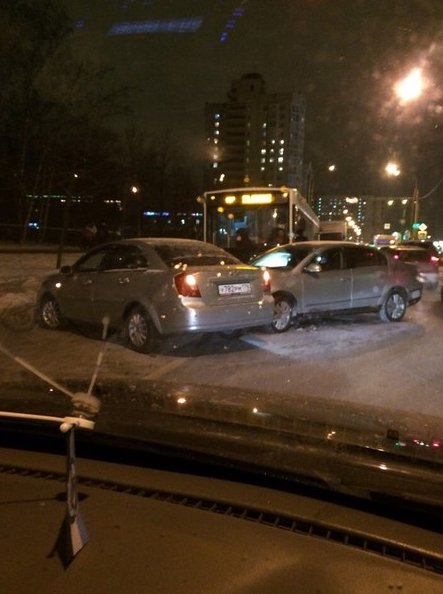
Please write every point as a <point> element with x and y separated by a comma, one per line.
<point>235,289</point>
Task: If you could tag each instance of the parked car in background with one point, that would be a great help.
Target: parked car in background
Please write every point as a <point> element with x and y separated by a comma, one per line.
<point>155,287</point>
<point>425,259</point>
<point>321,277</point>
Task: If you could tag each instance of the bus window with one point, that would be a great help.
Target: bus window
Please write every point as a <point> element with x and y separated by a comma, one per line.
<point>261,211</point>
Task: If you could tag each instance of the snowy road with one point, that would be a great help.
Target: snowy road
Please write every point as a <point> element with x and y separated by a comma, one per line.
<point>355,359</point>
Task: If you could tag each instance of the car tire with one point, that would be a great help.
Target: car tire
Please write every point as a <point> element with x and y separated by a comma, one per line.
<point>49,315</point>
<point>283,313</point>
<point>394,306</point>
<point>139,331</point>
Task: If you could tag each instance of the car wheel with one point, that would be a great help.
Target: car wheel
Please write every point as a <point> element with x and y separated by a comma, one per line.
<point>50,316</point>
<point>139,330</point>
<point>394,307</point>
<point>283,312</point>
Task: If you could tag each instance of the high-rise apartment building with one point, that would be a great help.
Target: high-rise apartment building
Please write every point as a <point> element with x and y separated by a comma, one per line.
<point>255,138</point>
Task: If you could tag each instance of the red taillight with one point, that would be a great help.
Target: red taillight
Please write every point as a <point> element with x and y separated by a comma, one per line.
<point>266,281</point>
<point>186,285</point>
<point>435,260</point>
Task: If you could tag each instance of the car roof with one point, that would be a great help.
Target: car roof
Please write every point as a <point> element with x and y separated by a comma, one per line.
<point>323,243</point>
<point>418,242</point>
<point>171,242</point>
<point>161,240</point>
<point>408,248</point>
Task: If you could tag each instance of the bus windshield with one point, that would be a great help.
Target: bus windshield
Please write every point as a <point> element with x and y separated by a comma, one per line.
<point>226,223</point>
<point>250,220</point>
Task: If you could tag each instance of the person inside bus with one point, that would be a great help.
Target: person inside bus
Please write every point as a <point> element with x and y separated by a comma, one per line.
<point>245,248</point>
<point>277,237</point>
<point>299,235</point>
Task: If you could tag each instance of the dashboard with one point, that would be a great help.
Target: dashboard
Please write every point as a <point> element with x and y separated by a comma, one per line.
<point>162,531</point>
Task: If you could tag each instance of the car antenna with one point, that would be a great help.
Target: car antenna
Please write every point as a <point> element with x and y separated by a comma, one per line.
<point>73,535</point>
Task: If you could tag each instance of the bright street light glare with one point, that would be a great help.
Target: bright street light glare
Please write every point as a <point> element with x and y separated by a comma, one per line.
<point>411,87</point>
<point>392,169</point>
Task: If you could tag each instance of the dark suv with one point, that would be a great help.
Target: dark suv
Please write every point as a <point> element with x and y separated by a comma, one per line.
<point>426,260</point>
<point>425,244</point>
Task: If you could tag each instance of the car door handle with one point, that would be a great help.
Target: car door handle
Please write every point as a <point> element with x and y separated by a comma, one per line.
<point>123,280</point>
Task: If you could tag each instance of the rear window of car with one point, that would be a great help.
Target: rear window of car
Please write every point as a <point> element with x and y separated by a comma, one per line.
<point>418,255</point>
<point>178,255</point>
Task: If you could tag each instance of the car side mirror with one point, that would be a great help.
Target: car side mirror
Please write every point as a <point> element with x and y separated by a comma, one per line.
<point>313,267</point>
<point>66,269</point>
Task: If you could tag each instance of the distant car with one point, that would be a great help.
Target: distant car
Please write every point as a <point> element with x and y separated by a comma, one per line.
<point>322,277</point>
<point>426,260</point>
<point>154,287</point>
<point>422,243</point>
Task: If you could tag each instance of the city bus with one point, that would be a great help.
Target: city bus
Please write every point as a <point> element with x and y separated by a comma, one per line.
<point>265,216</point>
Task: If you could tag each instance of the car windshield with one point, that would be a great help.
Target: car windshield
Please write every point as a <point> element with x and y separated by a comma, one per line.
<point>283,257</point>
<point>166,169</point>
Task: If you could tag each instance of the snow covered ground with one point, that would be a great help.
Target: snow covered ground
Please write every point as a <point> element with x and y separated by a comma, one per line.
<point>20,277</point>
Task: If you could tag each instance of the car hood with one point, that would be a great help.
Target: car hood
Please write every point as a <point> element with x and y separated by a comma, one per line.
<point>350,449</point>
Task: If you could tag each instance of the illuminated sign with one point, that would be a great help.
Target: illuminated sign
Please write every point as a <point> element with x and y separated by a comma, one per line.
<point>230,199</point>
<point>257,199</point>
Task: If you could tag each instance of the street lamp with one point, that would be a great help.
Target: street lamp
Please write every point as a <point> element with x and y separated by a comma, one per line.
<point>392,169</point>
<point>128,209</point>
<point>411,87</point>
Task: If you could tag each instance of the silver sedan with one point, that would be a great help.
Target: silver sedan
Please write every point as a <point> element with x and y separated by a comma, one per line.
<point>153,287</point>
<point>320,277</point>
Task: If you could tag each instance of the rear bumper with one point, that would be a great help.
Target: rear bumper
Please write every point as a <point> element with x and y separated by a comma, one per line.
<point>194,316</point>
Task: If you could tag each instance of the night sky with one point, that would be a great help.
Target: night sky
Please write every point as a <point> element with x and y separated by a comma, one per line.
<point>343,55</point>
